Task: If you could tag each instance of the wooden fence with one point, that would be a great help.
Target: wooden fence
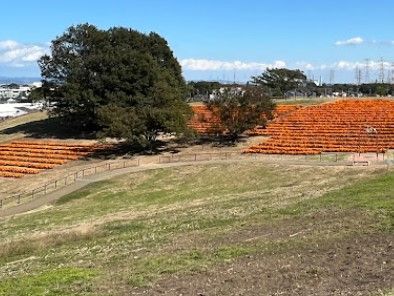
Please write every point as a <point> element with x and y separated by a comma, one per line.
<point>72,177</point>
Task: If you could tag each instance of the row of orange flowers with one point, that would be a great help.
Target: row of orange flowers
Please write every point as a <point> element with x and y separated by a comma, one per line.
<point>19,158</point>
<point>342,126</point>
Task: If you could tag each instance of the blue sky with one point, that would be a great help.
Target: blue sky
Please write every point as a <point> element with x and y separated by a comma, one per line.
<point>217,39</point>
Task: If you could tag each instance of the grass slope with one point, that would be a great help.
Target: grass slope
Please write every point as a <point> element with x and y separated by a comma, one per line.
<point>221,229</point>
<point>17,121</point>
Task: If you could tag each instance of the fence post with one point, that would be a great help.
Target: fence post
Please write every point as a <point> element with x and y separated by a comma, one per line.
<point>1,203</point>
<point>56,184</point>
<point>19,199</point>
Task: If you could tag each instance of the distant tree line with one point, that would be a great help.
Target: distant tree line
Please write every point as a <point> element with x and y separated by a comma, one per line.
<point>285,83</point>
<point>370,89</point>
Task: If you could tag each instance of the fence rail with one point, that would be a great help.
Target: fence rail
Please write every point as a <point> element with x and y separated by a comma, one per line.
<point>69,179</point>
<point>72,177</point>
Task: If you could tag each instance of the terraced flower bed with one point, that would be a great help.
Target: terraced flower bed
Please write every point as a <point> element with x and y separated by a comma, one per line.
<point>342,126</point>
<point>20,158</point>
<point>204,121</point>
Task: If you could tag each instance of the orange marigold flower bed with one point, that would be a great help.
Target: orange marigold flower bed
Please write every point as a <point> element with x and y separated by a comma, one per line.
<point>204,121</point>
<point>19,158</point>
<point>341,126</point>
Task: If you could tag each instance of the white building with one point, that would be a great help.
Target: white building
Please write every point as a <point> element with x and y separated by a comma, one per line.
<point>7,92</point>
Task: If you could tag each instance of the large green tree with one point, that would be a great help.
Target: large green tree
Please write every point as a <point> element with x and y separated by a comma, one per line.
<point>241,109</point>
<point>120,82</point>
<point>279,81</point>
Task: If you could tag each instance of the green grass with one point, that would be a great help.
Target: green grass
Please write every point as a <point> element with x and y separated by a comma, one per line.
<point>136,229</point>
<point>375,195</point>
<point>303,101</point>
<point>62,282</point>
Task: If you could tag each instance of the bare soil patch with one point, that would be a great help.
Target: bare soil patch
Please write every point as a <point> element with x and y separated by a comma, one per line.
<point>357,265</point>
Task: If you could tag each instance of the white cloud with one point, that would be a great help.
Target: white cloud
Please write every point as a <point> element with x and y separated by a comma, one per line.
<point>15,54</point>
<point>205,65</point>
<point>358,41</point>
<point>343,65</point>
<point>373,65</point>
<point>346,65</point>
<point>217,65</point>
<point>351,41</point>
<point>8,44</point>
<point>305,66</point>
<point>383,42</point>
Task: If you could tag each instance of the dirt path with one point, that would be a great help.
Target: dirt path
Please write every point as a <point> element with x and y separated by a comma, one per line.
<point>42,201</point>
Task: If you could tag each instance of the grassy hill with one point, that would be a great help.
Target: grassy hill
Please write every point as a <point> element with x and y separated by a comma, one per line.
<point>18,121</point>
<point>218,229</point>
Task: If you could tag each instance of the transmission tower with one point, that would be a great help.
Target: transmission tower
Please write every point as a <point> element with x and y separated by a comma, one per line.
<point>381,71</point>
<point>367,66</point>
<point>358,75</point>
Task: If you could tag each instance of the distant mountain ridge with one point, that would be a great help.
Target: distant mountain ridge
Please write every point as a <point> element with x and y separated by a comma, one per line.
<point>18,80</point>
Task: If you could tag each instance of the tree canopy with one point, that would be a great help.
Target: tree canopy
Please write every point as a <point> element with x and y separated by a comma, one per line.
<point>241,109</point>
<point>280,81</point>
<point>119,81</point>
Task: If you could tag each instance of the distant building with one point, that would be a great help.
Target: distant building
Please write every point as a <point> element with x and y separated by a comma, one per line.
<point>16,92</point>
